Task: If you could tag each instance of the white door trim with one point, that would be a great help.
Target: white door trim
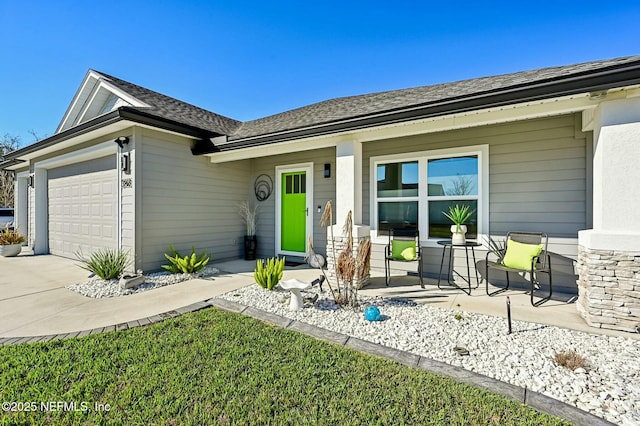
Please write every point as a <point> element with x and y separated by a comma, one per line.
<point>308,168</point>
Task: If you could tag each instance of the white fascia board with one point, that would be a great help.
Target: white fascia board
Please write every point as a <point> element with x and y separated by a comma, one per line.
<point>85,137</point>
<point>102,84</point>
<point>477,118</point>
<point>97,151</point>
<point>485,117</point>
<point>87,104</point>
<point>91,78</point>
<point>123,95</point>
<point>275,149</point>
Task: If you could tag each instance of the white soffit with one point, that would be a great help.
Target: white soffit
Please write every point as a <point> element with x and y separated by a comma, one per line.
<point>483,117</point>
<point>85,137</point>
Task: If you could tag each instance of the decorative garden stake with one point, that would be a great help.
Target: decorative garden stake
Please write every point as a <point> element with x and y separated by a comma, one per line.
<point>509,313</point>
<point>372,313</point>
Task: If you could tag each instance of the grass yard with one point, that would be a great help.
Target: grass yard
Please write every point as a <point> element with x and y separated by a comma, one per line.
<point>214,367</point>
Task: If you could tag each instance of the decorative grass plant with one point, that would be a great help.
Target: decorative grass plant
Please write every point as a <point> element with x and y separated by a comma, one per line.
<point>570,359</point>
<point>10,237</point>
<point>347,266</point>
<point>108,264</point>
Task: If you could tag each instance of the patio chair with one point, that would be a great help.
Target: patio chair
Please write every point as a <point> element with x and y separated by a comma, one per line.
<point>525,252</point>
<point>404,246</point>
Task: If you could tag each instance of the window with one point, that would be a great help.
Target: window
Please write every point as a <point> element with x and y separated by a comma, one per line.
<point>412,190</point>
<point>397,192</point>
<point>451,181</point>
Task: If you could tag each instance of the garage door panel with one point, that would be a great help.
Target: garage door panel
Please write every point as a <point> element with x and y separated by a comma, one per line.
<point>82,213</point>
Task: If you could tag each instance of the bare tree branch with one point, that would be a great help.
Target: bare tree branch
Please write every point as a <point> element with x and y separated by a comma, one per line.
<point>461,186</point>
<point>8,143</point>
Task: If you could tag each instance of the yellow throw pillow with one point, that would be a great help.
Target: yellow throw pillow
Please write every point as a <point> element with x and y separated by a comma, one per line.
<point>403,250</point>
<point>519,255</point>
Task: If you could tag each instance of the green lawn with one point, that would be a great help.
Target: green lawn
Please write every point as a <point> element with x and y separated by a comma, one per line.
<point>214,367</point>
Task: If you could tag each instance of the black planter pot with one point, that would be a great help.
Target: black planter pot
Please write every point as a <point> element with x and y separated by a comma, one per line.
<point>250,246</point>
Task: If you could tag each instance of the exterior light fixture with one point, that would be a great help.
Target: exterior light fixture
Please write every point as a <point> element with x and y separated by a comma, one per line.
<point>30,181</point>
<point>125,163</point>
<point>327,170</point>
<point>122,141</point>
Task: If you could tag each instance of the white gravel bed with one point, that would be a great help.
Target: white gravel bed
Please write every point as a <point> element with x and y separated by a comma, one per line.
<point>609,387</point>
<point>97,287</point>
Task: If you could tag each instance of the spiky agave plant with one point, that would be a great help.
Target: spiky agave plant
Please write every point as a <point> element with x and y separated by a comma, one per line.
<point>269,272</point>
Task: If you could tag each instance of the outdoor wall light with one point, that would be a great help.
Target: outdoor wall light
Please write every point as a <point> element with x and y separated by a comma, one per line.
<point>30,181</point>
<point>125,163</point>
<point>122,141</point>
<point>327,170</point>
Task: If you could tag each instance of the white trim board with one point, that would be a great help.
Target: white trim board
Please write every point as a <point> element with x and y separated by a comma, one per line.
<point>482,151</point>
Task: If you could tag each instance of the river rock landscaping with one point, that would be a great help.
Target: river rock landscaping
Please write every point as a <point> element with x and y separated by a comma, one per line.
<point>96,287</point>
<point>608,385</point>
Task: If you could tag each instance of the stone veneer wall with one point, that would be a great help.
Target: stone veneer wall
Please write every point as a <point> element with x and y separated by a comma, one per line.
<point>609,288</point>
<point>341,244</point>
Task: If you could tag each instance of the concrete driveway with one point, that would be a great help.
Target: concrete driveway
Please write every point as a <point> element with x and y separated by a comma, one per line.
<point>34,302</point>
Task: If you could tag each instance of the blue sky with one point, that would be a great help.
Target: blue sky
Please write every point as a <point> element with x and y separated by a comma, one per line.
<point>252,59</point>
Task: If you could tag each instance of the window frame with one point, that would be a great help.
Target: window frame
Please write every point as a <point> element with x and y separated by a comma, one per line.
<point>481,151</point>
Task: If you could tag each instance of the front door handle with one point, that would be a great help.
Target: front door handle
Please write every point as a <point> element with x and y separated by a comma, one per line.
<point>307,211</point>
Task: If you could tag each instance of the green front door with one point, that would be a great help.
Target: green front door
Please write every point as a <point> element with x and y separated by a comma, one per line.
<point>293,228</point>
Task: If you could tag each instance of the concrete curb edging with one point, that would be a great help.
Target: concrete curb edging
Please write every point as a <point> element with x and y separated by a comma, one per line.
<point>536,400</point>
<point>8,341</point>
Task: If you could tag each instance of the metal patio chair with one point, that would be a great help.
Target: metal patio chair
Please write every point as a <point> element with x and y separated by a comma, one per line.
<point>399,240</point>
<point>539,264</point>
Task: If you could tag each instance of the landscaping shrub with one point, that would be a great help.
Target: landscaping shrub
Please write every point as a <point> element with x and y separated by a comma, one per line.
<point>268,272</point>
<point>570,360</point>
<point>9,237</point>
<point>187,264</point>
<point>105,263</point>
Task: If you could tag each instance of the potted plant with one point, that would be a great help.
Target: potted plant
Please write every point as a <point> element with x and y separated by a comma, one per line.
<point>10,242</point>
<point>248,213</point>
<point>459,215</point>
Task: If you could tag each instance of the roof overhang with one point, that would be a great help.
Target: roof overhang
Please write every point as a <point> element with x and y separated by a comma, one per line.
<point>440,123</point>
<point>558,88</point>
<point>114,121</point>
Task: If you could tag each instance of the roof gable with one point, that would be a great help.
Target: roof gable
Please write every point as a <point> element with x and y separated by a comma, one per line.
<point>95,97</point>
<point>101,93</point>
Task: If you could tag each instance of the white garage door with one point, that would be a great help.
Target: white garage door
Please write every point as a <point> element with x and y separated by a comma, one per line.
<point>82,210</point>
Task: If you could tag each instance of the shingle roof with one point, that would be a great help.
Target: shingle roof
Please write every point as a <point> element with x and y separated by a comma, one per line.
<point>351,107</point>
<point>173,109</point>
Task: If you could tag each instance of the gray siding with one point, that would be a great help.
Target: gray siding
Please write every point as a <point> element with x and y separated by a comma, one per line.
<point>537,182</point>
<point>323,191</point>
<point>186,200</point>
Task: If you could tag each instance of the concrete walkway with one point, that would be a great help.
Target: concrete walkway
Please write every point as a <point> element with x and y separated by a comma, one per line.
<point>34,302</point>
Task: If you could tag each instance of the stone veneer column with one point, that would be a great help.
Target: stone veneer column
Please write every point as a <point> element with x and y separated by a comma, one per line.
<point>360,234</point>
<point>609,288</point>
<point>609,254</point>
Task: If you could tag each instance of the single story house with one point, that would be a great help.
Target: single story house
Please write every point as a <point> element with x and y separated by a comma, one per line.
<point>554,150</point>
